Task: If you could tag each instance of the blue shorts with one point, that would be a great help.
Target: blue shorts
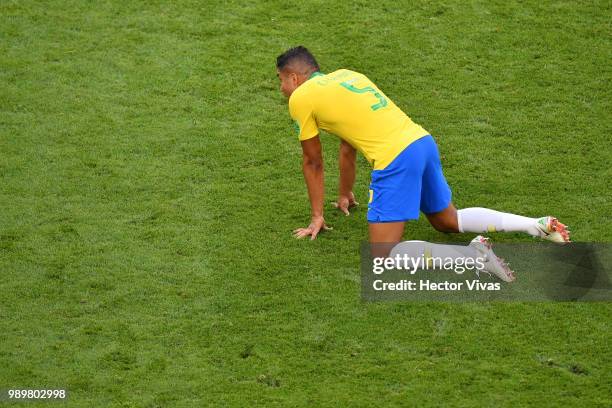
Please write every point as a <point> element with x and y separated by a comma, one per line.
<point>412,182</point>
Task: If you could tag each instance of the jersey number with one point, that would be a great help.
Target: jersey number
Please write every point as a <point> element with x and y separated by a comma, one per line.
<point>382,101</point>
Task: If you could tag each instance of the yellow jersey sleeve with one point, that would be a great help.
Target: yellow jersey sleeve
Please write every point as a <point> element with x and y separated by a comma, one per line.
<point>301,110</point>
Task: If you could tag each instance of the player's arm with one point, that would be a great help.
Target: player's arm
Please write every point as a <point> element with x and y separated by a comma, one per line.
<point>312,167</point>
<point>347,161</point>
<point>302,112</point>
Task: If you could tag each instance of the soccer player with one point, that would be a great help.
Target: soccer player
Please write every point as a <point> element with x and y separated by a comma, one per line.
<point>407,174</point>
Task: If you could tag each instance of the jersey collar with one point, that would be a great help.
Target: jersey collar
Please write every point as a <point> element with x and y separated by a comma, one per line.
<point>315,74</point>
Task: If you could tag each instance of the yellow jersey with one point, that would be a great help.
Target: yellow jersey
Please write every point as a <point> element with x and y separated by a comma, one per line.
<point>349,105</point>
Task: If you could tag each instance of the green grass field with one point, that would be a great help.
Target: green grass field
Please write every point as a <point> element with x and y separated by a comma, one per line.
<point>150,178</point>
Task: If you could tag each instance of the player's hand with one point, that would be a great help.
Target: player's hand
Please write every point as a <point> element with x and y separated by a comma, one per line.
<point>345,202</point>
<point>317,224</point>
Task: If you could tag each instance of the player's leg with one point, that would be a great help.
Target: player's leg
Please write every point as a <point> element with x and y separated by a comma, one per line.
<point>485,220</point>
<point>482,220</point>
<point>385,241</point>
<point>437,206</point>
<point>478,253</point>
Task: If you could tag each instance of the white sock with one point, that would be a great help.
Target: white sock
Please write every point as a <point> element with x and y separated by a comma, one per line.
<point>484,220</point>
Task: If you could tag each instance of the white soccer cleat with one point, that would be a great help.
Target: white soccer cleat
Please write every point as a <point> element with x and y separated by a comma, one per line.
<point>551,229</point>
<point>492,263</point>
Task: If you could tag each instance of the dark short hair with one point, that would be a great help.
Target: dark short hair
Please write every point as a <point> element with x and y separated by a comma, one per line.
<point>300,54</point>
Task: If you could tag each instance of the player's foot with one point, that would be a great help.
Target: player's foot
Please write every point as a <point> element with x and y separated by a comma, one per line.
<point>492,263</point>
<point>551,229</point>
